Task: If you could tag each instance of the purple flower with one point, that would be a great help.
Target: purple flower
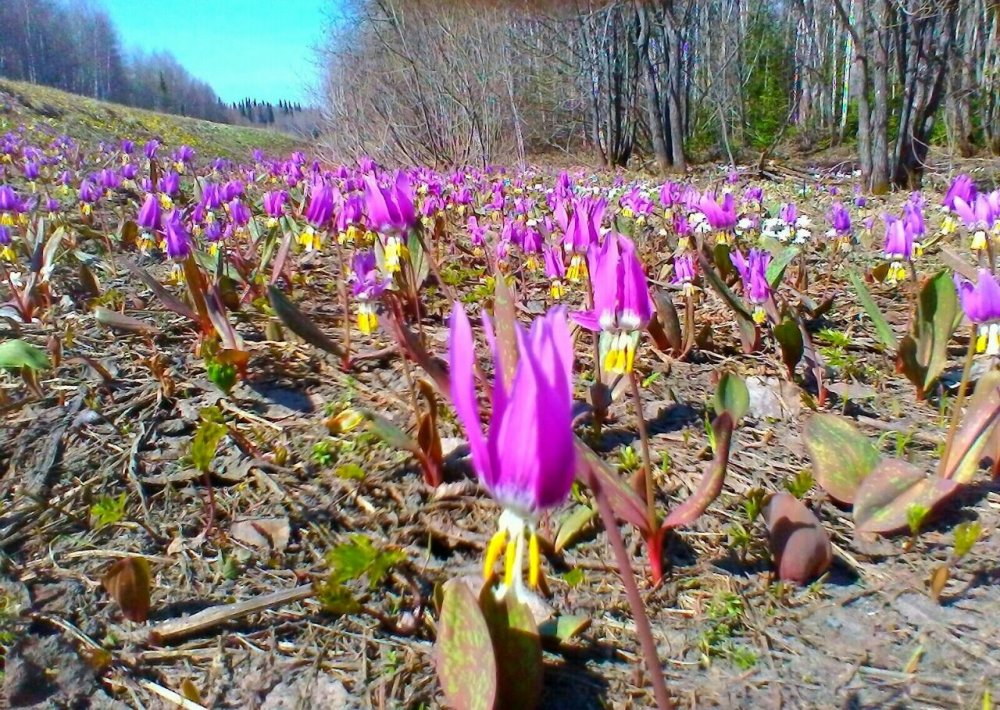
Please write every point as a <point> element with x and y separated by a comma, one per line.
<point>753,273</point>
<point>128,146</point>
<point>4,235</point>
<point>31,170</point>
<point>720,217</point>
<point>584,228</point>
<point>840,219</point>
<point>352,212</point>
<point>170,183</point>
<point>109,179</point>
<point>390,210</point>
<point>89,192</point>
<point>238,213</point>
<point>913,215</point>
<point>184,154</point>
<point>149,213</point>
<point>962,187</point>
<point>150,148</point>
<point>554,267</point>
<point>274,203</point>
<point>477,233</point>
<point>9,201</point>
<point>129,171</point>
<point>898,247</point>
<point>177,237</point>
<point>981,303</point>
<point>211,196</point>
<point>670,194</point>
<point>685,271</point>
<point>788,213</point>
<point>320,209</point>
<point>622,306</point>
<point>754,195</point>
<point>526,459</point>
<point>232,189</point>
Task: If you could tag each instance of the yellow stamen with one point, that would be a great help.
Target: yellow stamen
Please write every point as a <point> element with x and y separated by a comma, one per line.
<point>759,316</point>
<point>509,567</point>
<point>493,551</point>
<point>557,289</point>
<point>981,340</point>
<point>979,241</point>
<point>534,562</point>
<point>367,319</point>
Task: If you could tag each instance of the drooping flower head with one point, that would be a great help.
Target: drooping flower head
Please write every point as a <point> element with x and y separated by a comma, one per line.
<point>149,213</point>
<point>981,303</point>
<point>685,272</point>
<point>390,209</point>
<point>555,270</point>
<point>962,187</point>
<point>582,230</point>
<point>722,216</point>
<point>526,458</point>
<point>274,203</point>
<point>899,247</point>
<point>978,217</point>
<point>367,285</point>
<point>622,306</point>
<point>753,273</point>
<point>840,219</point>
<point>176,236</point>
<point>789,213</point>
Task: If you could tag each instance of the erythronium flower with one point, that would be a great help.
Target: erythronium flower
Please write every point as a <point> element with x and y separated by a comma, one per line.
<point>622,306</point>
<point>555,270</point>
<point>149,213</point>
<point>274,206</point>
<point>177,237</point>
<point>962,187</point>
<point>6,253</point>
<point>390,210</point>
<point>977,216</point>
<point>899,247</point>
<point>367,285</point>
<point>840,219</point>
<point>753,273</point>
<point>526,460</point>
<point>582,230</point>
<point>685,271</point>
<point>318,213</point>
<point>981,303</point>
<point>721,217</point>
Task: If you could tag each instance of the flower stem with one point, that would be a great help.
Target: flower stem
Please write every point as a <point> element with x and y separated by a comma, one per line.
<point>646,459</point>
<point>345,305</point>
<point>956,411</point>
<point>642,627</point>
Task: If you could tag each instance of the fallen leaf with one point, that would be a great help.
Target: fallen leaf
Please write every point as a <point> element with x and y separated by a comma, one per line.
<point>128,582</point>
<point>264,533</point>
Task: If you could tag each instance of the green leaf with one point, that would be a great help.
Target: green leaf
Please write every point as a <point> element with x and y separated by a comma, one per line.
<point>937,316</point>
<point>884,499</point>
<point>299,323</point>
<point>882,327</point>
<point>206,441</point>
<point>16,353</point>
<point>350,472</point>
<point>776,269</point>
<point>335,598</point>
<point>841,455</point>
<point>749,335</point>
<point>358,558</point>
<point>790,341</point>
<point>970,440</point>
<point>564,628</point>
<point>518,650</point>
<point>576,524</point>
<point>732,395</point>
<point>464,655</point>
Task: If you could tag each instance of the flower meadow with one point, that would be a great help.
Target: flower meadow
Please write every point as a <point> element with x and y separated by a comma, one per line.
<point>354,401</point>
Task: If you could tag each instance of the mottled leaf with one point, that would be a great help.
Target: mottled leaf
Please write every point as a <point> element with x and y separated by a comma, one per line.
<point>732,395</point>
<point>841,455</point>
<point>887,494</point>
<point>518,650</point>
<point>937,316</point>
<point>969,444</point>
<point>463,652</point>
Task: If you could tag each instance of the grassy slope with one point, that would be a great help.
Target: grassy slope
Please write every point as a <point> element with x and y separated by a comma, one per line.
<point>46,111</point>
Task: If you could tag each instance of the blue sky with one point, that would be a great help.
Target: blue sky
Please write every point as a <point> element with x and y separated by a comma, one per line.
<point>256,48</point>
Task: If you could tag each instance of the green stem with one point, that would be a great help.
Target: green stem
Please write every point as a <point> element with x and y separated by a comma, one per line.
<point>956,411</point>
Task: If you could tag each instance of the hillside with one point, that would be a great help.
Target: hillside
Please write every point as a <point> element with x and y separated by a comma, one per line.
<point>49,111</point>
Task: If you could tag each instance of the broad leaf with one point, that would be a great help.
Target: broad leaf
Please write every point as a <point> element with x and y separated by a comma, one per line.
<point>790,341</point>
<point>299,323</point>
<point>776,268</point>
<point>841,455</point>
<point>732,395</point>
<point>463,652</point>
<point>885,498</point>
<point>574,526</point>
<point>937,316</point>
<point>665,327</point>
<point>15,354</point>
<point>518,650</point>
<point>969,444</point>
